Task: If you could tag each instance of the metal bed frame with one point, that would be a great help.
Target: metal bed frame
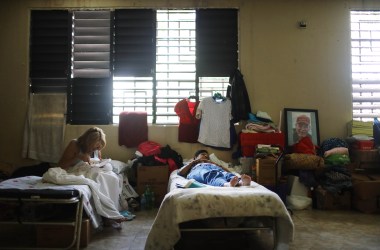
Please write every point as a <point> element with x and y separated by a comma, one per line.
<point>22,198</point>
<point>272,227</point>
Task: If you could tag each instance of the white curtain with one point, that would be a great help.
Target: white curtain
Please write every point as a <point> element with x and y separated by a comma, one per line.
<point>44,127</point>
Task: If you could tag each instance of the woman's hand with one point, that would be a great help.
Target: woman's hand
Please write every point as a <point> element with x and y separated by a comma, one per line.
<point>84,157</point>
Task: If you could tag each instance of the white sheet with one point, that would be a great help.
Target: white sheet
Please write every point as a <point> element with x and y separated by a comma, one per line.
<point>103,204</point>
<point>181,205</point>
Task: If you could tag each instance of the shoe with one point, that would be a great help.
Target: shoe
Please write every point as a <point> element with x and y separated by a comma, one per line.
<point>128,215</point>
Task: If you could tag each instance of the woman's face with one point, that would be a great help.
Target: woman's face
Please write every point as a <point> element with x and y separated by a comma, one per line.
<point>96,146</point>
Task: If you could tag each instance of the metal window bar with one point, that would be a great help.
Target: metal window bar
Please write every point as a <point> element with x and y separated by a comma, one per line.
<point>365,57</point>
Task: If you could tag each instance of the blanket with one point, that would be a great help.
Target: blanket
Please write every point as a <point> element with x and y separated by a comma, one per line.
<point>181,205</point>
<point>103,204</point>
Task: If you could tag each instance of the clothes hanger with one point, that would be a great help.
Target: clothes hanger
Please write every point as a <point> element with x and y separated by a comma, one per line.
<point>193,97</point>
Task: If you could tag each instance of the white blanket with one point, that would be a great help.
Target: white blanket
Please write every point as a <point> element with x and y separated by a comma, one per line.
<point>103,204</point>
<point>181,205</point>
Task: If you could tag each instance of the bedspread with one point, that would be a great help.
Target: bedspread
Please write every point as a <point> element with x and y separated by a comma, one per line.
<point>181,205</point>
<point>35,182</point>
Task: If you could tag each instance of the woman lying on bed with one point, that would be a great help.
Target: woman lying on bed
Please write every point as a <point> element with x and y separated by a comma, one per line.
<point>207,172</point>
<point>78,159</point>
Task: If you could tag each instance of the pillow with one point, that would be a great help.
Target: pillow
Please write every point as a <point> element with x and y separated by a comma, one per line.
<point>118,167</point>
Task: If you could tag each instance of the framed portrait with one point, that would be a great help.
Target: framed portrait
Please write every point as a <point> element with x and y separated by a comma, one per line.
<point>300,123</point>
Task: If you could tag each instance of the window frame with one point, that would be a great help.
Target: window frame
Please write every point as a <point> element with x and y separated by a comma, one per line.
<point>81,113</point>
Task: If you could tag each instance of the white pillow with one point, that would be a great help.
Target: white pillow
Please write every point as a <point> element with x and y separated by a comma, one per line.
<point>118,166</point>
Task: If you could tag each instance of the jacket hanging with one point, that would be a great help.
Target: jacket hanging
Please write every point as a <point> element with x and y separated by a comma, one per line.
<point>237,92</point>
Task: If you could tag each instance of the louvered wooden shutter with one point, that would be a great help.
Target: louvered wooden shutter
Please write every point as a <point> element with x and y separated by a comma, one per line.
<point>92,44</point>
<point>50,39</point>
<point>217,42</point>
<point>135,42</point>
<point>90,99</point>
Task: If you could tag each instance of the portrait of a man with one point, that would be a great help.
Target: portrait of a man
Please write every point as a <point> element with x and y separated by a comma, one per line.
<point>301,123</point>
<point>302,128</point>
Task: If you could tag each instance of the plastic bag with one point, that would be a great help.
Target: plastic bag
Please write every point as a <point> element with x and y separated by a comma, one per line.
<point>298,202</point>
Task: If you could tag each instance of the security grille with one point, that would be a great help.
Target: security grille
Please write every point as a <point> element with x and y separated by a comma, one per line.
<point>365,49</point>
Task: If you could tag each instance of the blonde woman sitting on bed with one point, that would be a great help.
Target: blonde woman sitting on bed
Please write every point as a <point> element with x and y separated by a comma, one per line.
<point>207,172</point>
<point>81,157</point>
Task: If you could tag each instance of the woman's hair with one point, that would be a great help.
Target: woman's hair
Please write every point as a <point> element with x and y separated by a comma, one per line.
<point>198,152</point>
<point>90,137</point>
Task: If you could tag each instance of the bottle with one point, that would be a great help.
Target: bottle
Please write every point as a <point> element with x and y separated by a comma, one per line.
<point>153,200</point>
<point>142,202</point>
<point>148,197</point>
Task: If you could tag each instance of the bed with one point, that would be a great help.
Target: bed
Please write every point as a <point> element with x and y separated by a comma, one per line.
<point>57,198</point>
<point>29,201</point>
<point>183,205</point>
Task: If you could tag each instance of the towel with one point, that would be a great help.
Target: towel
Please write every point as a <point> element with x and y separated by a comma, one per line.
<point>133,128</point>
<point>44,127</point>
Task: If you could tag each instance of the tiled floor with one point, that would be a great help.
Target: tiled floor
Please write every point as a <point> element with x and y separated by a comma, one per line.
<point>314,230</point>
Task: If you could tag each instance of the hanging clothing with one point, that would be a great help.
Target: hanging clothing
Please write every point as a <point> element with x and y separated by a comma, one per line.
<point>238,95</point>
<point>188,129</point>
<point>215,122</point>
<point>133,128</point>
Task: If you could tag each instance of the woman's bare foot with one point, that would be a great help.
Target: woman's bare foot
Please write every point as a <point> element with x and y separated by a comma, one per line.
<point>233,182</point>
<point>245,180</point>
<point>121,220</point>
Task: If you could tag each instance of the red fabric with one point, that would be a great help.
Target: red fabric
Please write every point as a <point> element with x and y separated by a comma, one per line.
<point>133,128</point>
<point>304,146</point>
<point>148,148</point>
<point>188,129</point>
<point>171,163</point>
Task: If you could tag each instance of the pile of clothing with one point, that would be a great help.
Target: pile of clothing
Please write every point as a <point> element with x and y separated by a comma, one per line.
<point>260,123</point>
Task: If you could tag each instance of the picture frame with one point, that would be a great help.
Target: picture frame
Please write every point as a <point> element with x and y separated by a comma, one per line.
<point>300,123</point>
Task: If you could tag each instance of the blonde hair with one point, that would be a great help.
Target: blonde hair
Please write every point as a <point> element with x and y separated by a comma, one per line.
<point>90,137</point>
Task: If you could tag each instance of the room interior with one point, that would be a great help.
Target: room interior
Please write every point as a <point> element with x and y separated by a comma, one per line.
<point>284,66</point>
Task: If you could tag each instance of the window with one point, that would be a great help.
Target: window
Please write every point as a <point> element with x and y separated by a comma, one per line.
<point>140,60</point>
<point>194,54</point>
<point>365,50</point>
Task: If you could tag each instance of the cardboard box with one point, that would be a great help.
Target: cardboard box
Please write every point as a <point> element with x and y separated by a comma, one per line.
<point>329,201</point>
<point>366,191</point>
<point>366,158</point>
<point>55,236</point>
<point>266,171</point>
<point>156,177</point>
